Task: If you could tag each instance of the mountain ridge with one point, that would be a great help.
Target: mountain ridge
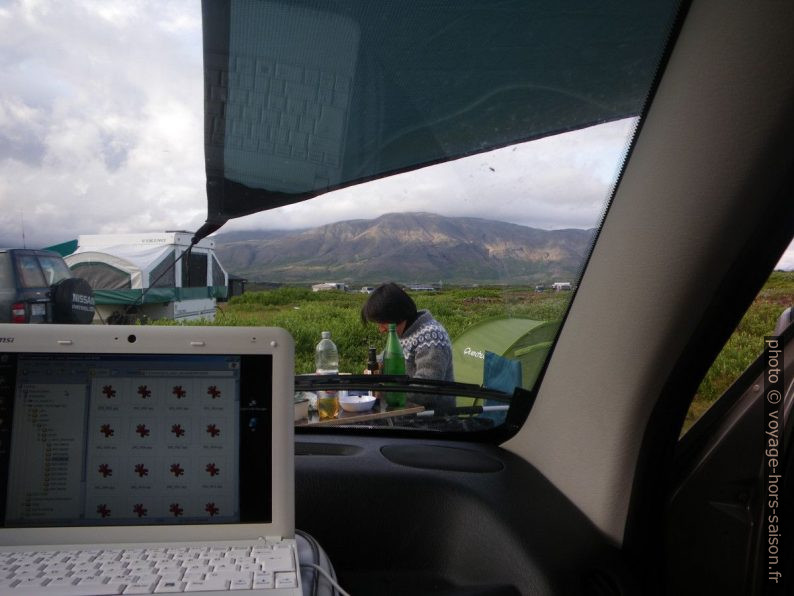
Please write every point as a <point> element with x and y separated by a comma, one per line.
<point>414,246</point>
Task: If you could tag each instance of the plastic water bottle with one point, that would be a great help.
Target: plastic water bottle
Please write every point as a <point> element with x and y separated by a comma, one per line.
<point>326,360</point>
<point>326,356</point>
<point>394,364</point>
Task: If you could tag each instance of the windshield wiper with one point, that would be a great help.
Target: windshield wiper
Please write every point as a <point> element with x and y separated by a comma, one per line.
<point>389,383</point>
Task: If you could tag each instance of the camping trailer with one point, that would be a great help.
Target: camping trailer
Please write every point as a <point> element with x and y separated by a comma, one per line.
<point>330,286</point>
<point>150,276</point>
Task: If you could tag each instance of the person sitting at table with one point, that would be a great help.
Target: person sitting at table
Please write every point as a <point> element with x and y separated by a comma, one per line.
<point>425,343</point>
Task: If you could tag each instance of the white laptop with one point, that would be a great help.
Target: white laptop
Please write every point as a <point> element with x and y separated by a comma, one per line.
<point>139,459</point>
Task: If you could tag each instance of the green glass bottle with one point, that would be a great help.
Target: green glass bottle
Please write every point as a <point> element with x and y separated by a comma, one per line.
<point>372,362</point>
<point>394,364</point>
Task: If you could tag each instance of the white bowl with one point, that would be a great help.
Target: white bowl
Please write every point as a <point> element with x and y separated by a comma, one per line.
<point>357,403</point>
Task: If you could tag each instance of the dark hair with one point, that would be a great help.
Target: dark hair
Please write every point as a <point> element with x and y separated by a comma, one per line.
<point>388,303</point>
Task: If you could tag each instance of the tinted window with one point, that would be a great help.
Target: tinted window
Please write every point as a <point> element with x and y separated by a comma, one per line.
<point>30,275</point>
<point>54,269</point>
<point>6,277</point>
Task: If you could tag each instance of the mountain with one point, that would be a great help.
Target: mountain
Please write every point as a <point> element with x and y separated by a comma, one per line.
<point>407,247</point>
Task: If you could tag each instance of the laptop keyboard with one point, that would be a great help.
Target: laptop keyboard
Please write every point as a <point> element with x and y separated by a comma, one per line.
<point>148,570</point>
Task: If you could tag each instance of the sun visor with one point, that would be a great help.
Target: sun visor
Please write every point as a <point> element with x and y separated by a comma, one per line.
<point>304,97</point>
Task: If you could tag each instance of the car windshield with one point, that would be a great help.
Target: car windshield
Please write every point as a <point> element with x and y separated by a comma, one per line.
<point>464,156</point>
<point>499,281</point>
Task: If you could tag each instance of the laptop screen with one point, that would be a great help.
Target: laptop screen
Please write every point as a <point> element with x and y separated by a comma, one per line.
<point>134,439</point>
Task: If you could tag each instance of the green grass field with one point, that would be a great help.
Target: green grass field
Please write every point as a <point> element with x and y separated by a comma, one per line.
<point>305,314</point>
<point>746,343</point>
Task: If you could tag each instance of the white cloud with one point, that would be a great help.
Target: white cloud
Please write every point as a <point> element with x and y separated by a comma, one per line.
<point>101,116</point>
<point>556,182</point>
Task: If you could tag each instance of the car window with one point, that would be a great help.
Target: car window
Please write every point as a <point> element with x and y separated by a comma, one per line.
<point>6,275</point>
<point>500,289</point>
<point>746,342</point>
<point>54,269</point>
<point>30,275</point>
<point>473,175</point>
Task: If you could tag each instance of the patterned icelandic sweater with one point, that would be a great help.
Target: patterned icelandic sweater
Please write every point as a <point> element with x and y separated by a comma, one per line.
<point>427,349</point>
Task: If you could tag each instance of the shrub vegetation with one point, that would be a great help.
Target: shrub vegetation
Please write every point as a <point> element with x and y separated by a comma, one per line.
<point>305,314</point>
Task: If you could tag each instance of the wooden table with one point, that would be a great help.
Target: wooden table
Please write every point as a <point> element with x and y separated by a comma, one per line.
<point>379,412</point>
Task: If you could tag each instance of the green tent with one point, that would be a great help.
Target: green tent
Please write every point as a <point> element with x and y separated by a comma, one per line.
<point>517,338</point>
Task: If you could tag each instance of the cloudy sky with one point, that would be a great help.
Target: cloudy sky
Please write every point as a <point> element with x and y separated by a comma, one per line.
<point>101,131</point>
